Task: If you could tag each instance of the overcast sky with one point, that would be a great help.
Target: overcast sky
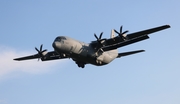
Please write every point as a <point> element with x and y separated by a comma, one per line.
<point>152,77</point>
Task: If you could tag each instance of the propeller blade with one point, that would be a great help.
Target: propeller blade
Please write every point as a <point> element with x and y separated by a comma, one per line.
<point>44,50</point>
<point>37,49</point>
<point>100,36</point>
<point>121,29</point>
<point>125,32</point>
<point>41,47</point>
<point>116,31</point>
<point>96,36</point>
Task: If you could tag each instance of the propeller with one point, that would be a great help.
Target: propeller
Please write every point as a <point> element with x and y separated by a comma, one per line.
<point>99,38</point>
<point>40,52</point>
<point>121,33</point>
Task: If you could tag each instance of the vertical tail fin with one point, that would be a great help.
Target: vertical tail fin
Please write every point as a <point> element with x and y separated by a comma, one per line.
<point>115,51</point>
<point>112,34</point>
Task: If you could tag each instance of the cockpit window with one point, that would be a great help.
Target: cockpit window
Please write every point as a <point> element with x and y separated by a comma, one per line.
<point>63,38</point>
<point>57,39</point>
<point>60,38</point>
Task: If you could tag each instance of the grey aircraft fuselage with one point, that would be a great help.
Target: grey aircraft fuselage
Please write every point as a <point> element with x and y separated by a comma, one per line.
<point>83,53</point>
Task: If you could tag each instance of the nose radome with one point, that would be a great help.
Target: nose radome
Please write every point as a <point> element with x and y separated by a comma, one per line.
<point>56,45</point>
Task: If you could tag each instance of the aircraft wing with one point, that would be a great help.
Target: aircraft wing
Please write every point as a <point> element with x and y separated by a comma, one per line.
<point>115,43</point>
<point>49,56</point>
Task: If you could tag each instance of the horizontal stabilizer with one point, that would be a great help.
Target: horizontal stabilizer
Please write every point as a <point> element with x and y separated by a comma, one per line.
<point>129,53</point>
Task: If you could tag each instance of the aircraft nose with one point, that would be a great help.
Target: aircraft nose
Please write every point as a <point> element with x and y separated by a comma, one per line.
<point>56,45</point>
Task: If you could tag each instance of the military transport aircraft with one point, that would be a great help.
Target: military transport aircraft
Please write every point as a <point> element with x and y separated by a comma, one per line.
<point>99,52</point>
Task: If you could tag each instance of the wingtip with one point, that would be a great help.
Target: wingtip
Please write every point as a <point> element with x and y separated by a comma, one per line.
<point>168,26</point>
<point>139,50</point>
<point>142,50</point>
<point>15,59</point>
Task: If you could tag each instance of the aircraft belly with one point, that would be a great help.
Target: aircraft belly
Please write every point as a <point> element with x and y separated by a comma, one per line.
<point>83,56</point>
<point>103,59</point>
